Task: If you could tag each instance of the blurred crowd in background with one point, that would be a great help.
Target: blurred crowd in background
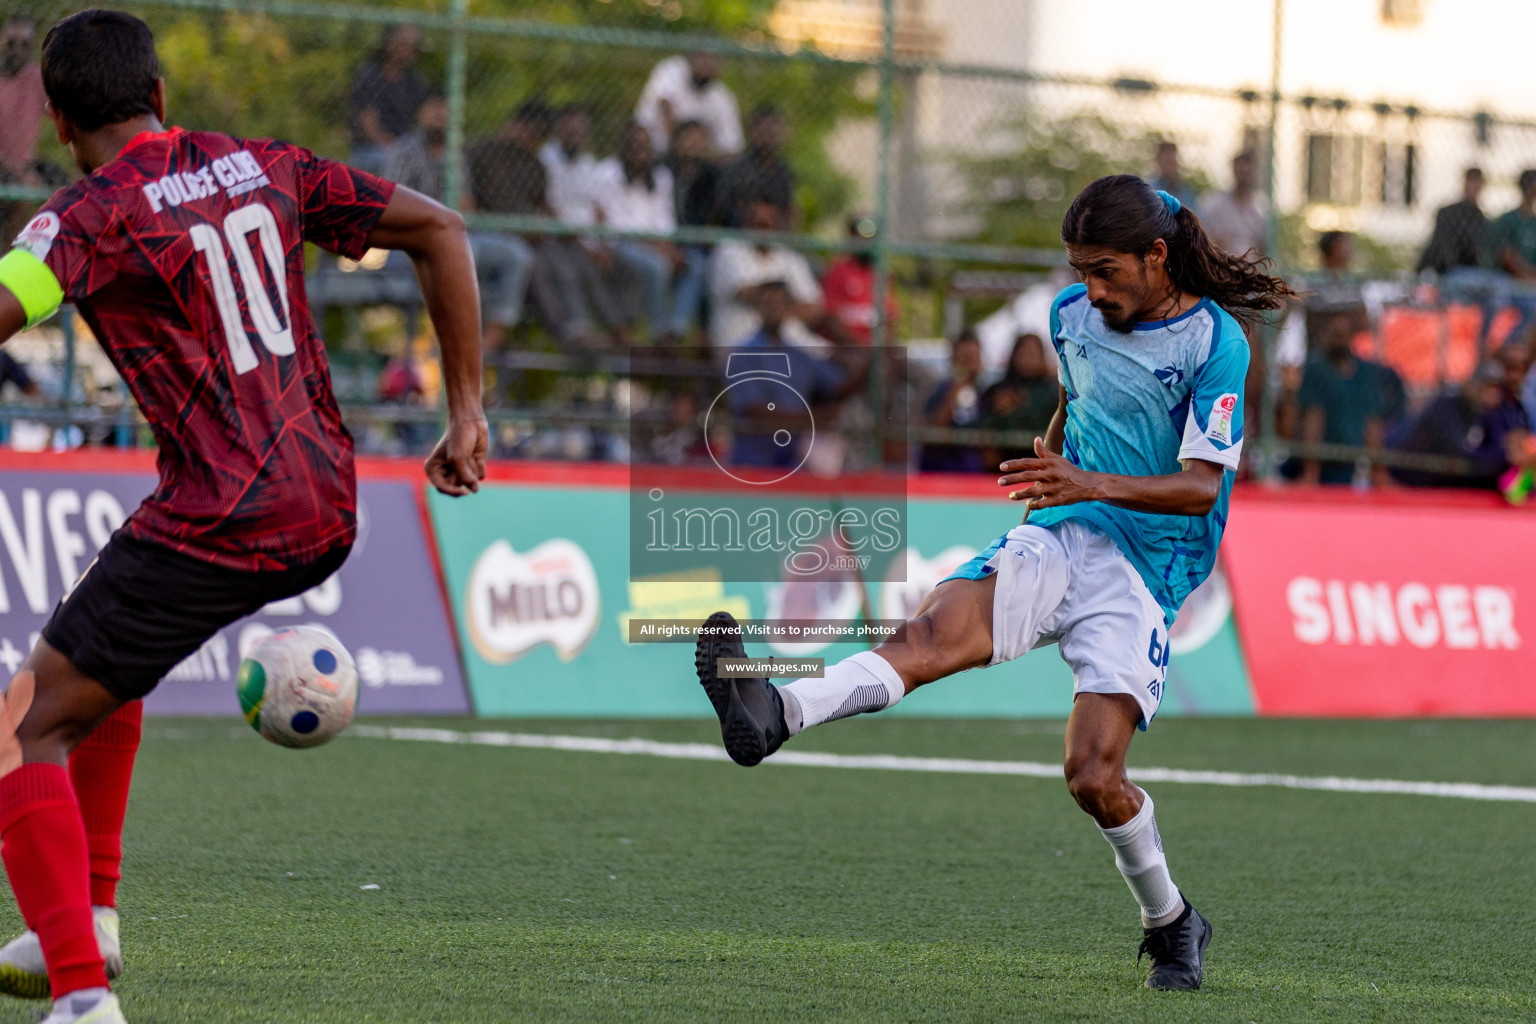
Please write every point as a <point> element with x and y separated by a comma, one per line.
<point>610,276</point>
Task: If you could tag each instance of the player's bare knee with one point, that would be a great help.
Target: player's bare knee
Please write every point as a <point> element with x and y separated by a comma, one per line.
<point>49,709</point>
<point>1092,778</point>
<point>921,649</point>
<point>920,652</point>
<point>50,737</point>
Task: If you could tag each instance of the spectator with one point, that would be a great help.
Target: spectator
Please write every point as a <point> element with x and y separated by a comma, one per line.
<point>849,288</point>
<point>1394,395</point>
<point>21,112</point>
<point>1512,250</point>
<point>1528,393</point>
<point>1168,175</point>
<point>505,174</point>
<point>1456,252</point>
<point>1336,252</point>
<point>635,193</point>
<point>689,89</point>
<point>386,94</point>
<point>1238,220</point>
<point>1513,362</point>
<point>507,177</point>
<point>418,159</point>
<point>680,442</point>
<point>1334,295</point>
<point>761,172</point>
<point>697,191</point>
<point>738,269</point>
<point>1460,232</point>
<point>1025,399</point>
<point>1340,403</point>
<point>765,430</point>
<point>571,169</point>
<point>955,403</point>
<point>573,191</point>
<point>1478,422</point>
<point>21,99</point>
<point>503,263</point>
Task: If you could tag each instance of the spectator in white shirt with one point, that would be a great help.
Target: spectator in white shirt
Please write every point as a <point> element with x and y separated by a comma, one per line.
<point>738,269</point>
<point>689,89</point>
<point>572,169</point>
<point>634,193</point>
<point>1238,220</point>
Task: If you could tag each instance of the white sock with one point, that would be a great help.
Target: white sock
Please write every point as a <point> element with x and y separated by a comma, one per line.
<point>1139,856</point>
<point>80,1001</point>
<point>864,682</point>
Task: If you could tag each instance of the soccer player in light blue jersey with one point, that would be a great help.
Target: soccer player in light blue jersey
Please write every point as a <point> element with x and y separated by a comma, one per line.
<point>1125,501</point>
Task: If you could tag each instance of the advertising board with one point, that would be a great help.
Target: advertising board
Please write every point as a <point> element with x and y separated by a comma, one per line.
<point>538,574</point>
<point>385,603</point>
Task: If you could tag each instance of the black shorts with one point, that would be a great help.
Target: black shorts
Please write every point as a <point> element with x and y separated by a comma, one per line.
<point>141,608</point>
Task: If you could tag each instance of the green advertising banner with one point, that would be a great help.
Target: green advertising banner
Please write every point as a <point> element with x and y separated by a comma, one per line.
<point>539,581</point>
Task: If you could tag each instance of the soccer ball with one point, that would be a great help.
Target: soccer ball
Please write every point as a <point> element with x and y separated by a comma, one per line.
<point>298,686</point>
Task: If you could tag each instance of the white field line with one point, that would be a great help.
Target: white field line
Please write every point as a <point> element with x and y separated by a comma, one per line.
<point>943,765</point>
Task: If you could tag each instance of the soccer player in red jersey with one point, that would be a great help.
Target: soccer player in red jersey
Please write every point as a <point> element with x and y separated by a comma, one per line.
<point>184,251</point>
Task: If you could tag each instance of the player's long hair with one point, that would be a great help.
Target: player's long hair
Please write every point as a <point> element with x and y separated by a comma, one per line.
<point>1124,213</point>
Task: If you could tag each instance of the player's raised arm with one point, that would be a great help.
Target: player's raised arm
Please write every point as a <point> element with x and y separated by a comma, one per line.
<point>435,239</point>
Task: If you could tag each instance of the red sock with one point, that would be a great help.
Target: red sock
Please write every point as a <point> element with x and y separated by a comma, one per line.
<point>42,840</point>
<point>101,768</point>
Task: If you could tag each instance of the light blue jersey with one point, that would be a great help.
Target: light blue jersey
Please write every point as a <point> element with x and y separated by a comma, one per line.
<point>1138,404</point>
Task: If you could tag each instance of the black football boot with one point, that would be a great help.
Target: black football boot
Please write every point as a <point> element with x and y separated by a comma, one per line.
<point>751,711</point>
<point>1177,950</point>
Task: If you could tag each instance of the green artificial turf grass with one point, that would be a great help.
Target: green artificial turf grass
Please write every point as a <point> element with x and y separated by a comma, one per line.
<point>538,885</point>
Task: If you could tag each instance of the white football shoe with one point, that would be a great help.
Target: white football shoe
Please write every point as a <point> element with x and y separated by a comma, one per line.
<point>104,1010</point>
<point>24,974</point>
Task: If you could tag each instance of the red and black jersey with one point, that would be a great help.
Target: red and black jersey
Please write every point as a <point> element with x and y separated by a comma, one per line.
<point>186,257</point>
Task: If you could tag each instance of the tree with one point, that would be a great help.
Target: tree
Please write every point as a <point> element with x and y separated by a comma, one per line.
<point>1021,190</point>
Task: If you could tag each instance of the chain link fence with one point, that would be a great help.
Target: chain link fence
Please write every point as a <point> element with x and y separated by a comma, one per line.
<point>906,163</point>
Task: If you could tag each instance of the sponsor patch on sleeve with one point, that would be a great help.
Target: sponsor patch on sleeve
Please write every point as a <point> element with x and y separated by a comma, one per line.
<point>1220,425</point>
<point>37,237</point>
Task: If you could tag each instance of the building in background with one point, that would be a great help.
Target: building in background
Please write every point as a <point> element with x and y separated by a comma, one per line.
<point>1393,99</point>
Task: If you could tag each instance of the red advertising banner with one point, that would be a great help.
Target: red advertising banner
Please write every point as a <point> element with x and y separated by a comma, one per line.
<point>1398,606</point>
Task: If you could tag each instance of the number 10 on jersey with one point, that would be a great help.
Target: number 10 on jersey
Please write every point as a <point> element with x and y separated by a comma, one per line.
<point>276,333</point>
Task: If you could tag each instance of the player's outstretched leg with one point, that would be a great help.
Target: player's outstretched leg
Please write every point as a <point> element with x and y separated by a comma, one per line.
<point>49,708</point>
<point>951,631</point>
<point>1175,935</point>
<point>100,768</point>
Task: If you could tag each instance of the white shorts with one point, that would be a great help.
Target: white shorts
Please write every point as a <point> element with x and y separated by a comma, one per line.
<point>1071,585</point>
